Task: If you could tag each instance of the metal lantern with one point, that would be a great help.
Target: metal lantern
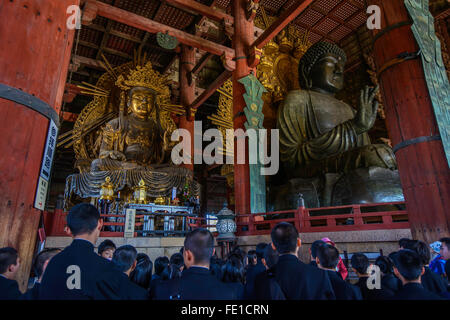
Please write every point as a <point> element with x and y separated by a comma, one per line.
<point>107,190</point>
<point>226,227</point>
<point>140,193</point>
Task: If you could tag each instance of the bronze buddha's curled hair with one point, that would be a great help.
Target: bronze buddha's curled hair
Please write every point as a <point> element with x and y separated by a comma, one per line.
<point>312,56</point>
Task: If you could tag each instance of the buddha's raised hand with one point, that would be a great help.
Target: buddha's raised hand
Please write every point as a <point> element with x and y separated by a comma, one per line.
<point>367,113</point>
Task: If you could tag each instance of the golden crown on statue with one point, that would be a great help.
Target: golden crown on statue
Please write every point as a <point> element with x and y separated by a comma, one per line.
<point>146,77</point>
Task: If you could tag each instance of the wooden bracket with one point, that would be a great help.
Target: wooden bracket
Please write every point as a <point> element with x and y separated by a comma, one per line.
<point>228,28</point>
<point>228,62</point>
<point>254,57</point>
<point>89,13</point>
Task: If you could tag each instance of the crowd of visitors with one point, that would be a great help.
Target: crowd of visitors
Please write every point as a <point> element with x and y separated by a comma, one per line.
<point>272,271</point>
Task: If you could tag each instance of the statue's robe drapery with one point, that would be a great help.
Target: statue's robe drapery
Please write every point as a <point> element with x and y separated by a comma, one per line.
<point>140,141</point>
<point>317,136</point>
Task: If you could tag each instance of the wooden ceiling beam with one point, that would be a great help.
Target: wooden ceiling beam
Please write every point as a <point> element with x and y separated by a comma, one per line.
<point>201,9</point>
<point>142,23</point>
<point>285,18</point>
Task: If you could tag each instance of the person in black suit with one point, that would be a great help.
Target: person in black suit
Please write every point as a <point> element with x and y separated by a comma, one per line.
<point>160,264</point>
<point>76,272</point>
<point>266,286</point>
<point>313,251</point>
<point>327,259</point>
<point>232,273</point>
<point>360,265</point>
<point>430,280</point>
<point>297,280</point>
<point>196,282</point>
<point>40,264</point>
<point>125,259</point>
<point>408,268</point>
<point>9,265</point>
<point>142,274</point>
<point>253,271</point>
<point>388,280</point>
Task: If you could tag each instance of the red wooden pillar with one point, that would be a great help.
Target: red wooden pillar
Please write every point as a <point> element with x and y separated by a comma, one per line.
<point>242,39</point>
<point>423,168</point>
<point>36,48</point>
<point>187,94</point>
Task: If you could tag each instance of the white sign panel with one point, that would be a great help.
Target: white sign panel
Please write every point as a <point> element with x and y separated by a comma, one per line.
<point>46,166</point>
<point>41,194</point>
<point>129,223</point>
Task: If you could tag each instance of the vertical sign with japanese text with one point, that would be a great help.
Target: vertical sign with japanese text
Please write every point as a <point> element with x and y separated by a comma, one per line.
<point>46,166</point>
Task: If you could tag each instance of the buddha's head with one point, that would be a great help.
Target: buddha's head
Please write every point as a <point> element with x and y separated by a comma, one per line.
<point>322,68</point>
<point>141,101</point>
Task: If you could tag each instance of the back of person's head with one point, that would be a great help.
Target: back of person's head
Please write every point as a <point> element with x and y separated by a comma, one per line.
<point>124,257</point>
<point>260,248</point>
<point>360,263</point>
<point>284,237</point>
<point>403,242</point>
<point>82,219</point>
<point>106,245</point>
<point>233,270</point>
<point>200,243</point>
<point>177,260</point>
<point>314,246</point>
<point>142,274</point>
<point>423,250</point>
<point>328,256</point>
<point>237,251</point>
<point>270,256</point>
<point>215,266</point>
<point>408,263</point>
<point>251,257</point>
<point>410,244</point>
<point>175,267</point>
<point>8,257</point>
<point>42,257</point>
<point>385,264</point>
<point>160,264</point>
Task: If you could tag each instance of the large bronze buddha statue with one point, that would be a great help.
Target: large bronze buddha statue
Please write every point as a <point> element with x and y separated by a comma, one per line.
<point>322,138</point>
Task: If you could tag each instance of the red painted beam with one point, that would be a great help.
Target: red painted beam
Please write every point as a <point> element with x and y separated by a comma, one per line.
<point>69,116</point>
<point>212,88</point>
<point>201,9</point>
<point>142,23</point>
<point>285,18</point>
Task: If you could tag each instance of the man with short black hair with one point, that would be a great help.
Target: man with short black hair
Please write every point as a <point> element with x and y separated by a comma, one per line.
<point>297,280</point>
<point>313,251</point>
<point>125,259</point>
<point>9,265</point>
<point>266,286</point>
<point>196,282</point>
<point>76,272</point>
<point>253,271</point>
<point>445,249</point>
<point>403,243</point>
<point>429,279</point>
<point>106,249</point>
<point>408,268</point>
<point>327,258</point>
<point>360,264</point>
<point>40,264</point>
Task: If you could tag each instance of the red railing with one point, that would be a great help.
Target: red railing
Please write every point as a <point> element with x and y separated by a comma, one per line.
<point>342,218</point>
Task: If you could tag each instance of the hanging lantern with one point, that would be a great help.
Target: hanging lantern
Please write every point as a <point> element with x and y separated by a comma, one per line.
<point>107,190</point>
<point>140,193</point>
<point>226,227</point>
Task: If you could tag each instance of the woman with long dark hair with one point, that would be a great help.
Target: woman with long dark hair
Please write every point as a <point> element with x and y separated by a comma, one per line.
<point>142,274</point>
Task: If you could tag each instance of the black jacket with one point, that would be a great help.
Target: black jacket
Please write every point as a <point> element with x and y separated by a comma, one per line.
<point>433,282</point>
<point>343,290</point>
<point>196,283</point>
<point>99,279</point>
<point>415,291</point>
<point>267,287</point>
<point>252,272</point>
<point>31,294</point>
<point>390,282</point>
<point>373,294</point>
<point>132,291</point>
<point>9,290</point>
<point>299,281</point>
